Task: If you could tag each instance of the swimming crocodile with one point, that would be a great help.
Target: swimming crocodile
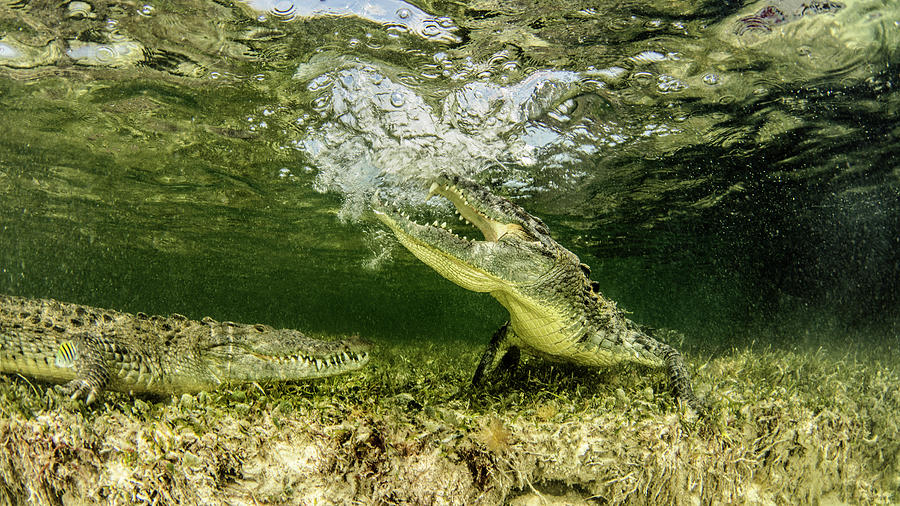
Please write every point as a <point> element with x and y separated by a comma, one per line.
<point>556,311</point>
<point>93,349</point>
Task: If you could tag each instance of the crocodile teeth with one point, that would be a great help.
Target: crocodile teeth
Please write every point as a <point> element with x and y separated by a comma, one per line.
<point>346,357</point>
<point>432,190</point>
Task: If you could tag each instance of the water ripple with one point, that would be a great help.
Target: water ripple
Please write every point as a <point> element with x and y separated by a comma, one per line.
<point>397,17</point>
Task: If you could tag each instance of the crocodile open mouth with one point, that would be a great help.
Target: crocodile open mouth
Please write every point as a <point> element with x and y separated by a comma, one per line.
<point>491,229</point>
<point>469,211</point>
<point>344,360</point>
<point>466,262</point>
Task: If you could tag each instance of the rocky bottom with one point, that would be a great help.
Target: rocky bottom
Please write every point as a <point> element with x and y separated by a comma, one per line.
<point>785,427</point>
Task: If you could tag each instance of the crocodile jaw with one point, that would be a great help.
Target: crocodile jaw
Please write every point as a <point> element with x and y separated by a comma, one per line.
<point>453,261</point>
<point>296,358</point>
<point>514,253</point>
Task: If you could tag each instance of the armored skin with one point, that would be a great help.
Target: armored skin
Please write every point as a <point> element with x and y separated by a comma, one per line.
<point>92,349</point>
<point>555,310</point>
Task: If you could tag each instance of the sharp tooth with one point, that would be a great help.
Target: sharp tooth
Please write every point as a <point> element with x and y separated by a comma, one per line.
<point>432,190</point>
<point>444,224</point>
<point>467,222</point>
<point>318,364</point>
<point>346,357</point>
<point>435,223</point>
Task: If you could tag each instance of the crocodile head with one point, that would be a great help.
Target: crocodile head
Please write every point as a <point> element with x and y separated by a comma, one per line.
<point>516,254</point>
<point>238,353</point>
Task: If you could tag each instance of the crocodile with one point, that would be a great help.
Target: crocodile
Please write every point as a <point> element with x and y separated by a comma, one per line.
<point>555,310</point>
<point>91,349</point>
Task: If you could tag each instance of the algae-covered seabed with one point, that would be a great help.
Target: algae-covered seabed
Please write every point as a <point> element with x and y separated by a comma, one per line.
<point>808,426</point>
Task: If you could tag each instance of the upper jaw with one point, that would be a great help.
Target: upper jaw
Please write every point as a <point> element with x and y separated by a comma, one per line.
<point>468,209</point>
<point>495,217</point>
<point>399,221</point>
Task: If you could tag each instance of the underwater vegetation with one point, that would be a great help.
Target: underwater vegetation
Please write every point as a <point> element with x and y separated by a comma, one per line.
<point>786,427</point>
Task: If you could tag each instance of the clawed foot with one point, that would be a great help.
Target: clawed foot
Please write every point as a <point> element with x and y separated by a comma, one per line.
<point>78,389</point>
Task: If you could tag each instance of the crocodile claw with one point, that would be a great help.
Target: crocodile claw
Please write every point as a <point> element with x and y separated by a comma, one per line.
<point>79,388</point>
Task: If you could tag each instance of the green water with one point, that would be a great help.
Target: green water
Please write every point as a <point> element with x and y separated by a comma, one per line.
<point>721,170</point>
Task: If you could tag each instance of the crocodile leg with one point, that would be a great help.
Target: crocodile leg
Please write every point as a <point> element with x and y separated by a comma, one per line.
<point>509,360</point>
<point>85,354</point>
<point>679,378</point>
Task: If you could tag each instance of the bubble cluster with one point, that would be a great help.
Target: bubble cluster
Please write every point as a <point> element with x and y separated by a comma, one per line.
<point>376,129</point>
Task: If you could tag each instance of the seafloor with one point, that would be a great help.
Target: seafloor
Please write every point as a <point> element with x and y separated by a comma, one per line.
<point>818,426</point>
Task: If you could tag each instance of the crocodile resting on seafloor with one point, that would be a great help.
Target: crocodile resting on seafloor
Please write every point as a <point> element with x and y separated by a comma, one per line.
<point>93,349</point>
<point>556,311</point>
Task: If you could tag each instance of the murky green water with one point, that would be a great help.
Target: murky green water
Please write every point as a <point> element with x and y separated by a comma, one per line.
<point>720,166</point>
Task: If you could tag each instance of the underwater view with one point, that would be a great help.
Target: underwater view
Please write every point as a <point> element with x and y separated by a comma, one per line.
<point>450,252</point>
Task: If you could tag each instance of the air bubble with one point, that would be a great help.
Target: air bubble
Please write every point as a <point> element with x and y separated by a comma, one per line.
<point>283,7</point>
<point>397,99</point>
<point>105,54</point>
<point>403,13</point>
<point>319,83</point>
<point>146,10</point>
<point>80,10</point>
<point>669,84</point>
<point>711,79</point>
<point>285,10</point>
<point>320,103</point>
<point>7,51</point>
<point>431,30</point>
